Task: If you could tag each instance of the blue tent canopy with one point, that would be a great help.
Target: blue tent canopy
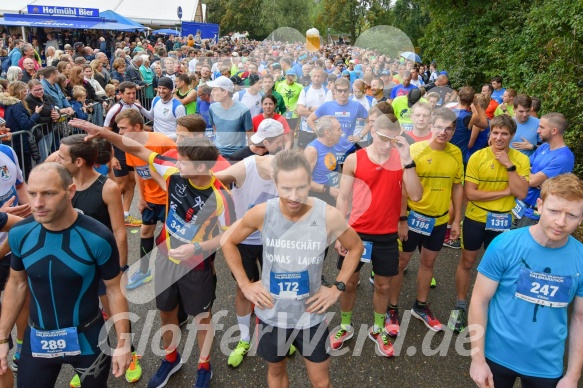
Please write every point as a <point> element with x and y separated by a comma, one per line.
<point>70,22</point>
<point>166,31</point>
<point>111,16</point>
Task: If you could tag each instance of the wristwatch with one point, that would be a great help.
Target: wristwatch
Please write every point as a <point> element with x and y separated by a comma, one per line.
<point>340,286</point>
<point>511,168</point>
<point>124,268</point>
<point>197,248</point>
<point>403,218</point>
<point>410,165</point>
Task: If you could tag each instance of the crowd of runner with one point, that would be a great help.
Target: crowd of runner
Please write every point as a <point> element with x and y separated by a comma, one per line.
<point>280,157</point>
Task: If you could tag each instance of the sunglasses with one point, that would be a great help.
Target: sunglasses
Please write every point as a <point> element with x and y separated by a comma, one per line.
<point>342,90</point>
<point>385,138</point>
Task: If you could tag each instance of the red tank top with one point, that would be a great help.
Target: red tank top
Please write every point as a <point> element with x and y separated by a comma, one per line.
<point>376,198</point>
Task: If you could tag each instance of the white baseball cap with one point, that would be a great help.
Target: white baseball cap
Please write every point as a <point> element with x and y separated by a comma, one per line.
<point>267,129</point>
<point>223,83</point>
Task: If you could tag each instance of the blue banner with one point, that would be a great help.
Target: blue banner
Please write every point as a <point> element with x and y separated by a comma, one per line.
<point>62,11</point>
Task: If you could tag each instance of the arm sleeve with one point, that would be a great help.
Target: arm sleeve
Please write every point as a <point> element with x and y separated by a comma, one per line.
<point>561,164</point>
<point>492,265</point>
<point>180,111</point>
<point>163,165</point>
<point>14,240</point>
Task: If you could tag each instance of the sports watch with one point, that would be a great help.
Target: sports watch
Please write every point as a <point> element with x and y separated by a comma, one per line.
<point>340,286</point>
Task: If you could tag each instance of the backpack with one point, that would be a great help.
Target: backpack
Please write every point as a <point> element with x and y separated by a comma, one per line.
<point>175,104</point>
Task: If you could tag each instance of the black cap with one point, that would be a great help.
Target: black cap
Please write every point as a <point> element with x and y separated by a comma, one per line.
<point>276,66</point>
<point>77,45</point>
<point>413,97</point>
<point>253,79</point>
<point>237,80</point>
<point>166,82</point>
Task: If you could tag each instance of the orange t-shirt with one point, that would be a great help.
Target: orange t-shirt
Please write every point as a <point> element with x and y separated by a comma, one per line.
<point>158,143</point>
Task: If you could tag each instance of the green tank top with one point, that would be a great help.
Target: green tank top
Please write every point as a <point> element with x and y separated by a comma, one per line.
<point>191,106</point>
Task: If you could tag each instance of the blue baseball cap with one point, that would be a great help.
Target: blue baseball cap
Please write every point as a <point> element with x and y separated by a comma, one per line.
<point>291,72</point>
<point>345,72</point>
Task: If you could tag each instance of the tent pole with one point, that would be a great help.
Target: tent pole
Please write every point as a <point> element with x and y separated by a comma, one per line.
<point>23,33</point>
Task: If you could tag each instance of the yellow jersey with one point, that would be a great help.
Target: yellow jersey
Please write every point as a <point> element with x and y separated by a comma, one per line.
<point>486,172</point>
<point>438,171</point>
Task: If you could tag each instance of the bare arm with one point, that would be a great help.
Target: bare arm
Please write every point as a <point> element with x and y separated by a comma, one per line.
<point>479,118</point>
<point>575,362</point>
<point>483,292</point>
<point>346,183</point>
<point>118,305</point>
<point>112,198</point>
<point>312,121</point>
<point>537,179</point>
<point>124,143</point>
<point>235,174</point>
<point>12,303</point>
<point>473,194</point>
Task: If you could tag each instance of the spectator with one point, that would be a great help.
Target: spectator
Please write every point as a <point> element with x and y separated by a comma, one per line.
<point>29,70</point>
<point>19,118</point>
<point>53,92</point>
<point>119,69</point>
<point>43,135</point>
<point>98,76</point>
<point>14,73</point>
<point>133,72</point>
<point>78,102</point>
<point>77,79</point>
<point>50,55</point>
<point>149,77</point>
<point>64,67</point>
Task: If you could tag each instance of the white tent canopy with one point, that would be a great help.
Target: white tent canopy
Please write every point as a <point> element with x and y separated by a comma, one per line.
<point>151,12</point>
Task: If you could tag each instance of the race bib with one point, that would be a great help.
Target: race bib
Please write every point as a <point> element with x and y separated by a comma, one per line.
<point>340,157</point>
<point>209,133</point>
<point>180,229</point>
<point>289,285</point>
<point>420,224</point>
<point>144,172</point>
<point>54,343</point>
<point>288,115</point>
<point>519,209</point>
<point>543,288</point>
<point>407,127</point>
<point>367,252</point>
<point>333,178</point>
<point>498,222</point>
<point>360,124</point>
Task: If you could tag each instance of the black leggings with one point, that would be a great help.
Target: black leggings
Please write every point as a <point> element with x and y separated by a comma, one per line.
<point>505,378</point>
<point>93,370</point>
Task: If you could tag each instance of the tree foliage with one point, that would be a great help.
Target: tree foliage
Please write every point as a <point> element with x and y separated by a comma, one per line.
<point>535,46</point>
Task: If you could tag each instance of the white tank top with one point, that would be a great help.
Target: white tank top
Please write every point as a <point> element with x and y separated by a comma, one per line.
<point>254,191</point>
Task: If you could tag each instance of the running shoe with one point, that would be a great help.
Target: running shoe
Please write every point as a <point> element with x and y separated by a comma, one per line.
<point>425,315</point>
<point>392,324</point>
<point>343,334</point>
<point>291,351</point>
<point>164,372</point>
<point>433,283</point>
<point>458,320</point>
<point>237,355</point>
<point>75,382</point>
<point>454,244</point>
<point>138,278</point>
<point>15,360</point>
<point>132,221</point>
<point>383,347</point>
<point>371,279</point>
<point>204,376</point>
<point>134,372</point>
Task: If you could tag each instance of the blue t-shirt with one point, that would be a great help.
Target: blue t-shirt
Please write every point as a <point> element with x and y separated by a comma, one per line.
<point>527,131</point>
<point>202,108</point>
<point>401,90</point>
<point>231,126</point>
<point>346,116</point>
<point>497,95</point>
<point>527,337</point>
<point>551,163</point>
<point>462,134</point>
<point>480,143</point>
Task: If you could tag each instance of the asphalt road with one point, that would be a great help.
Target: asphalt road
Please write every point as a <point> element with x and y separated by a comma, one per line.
<point>424,358</point>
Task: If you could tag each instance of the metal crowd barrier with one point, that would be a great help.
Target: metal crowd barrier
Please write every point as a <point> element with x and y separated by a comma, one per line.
<point>47,137</point>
